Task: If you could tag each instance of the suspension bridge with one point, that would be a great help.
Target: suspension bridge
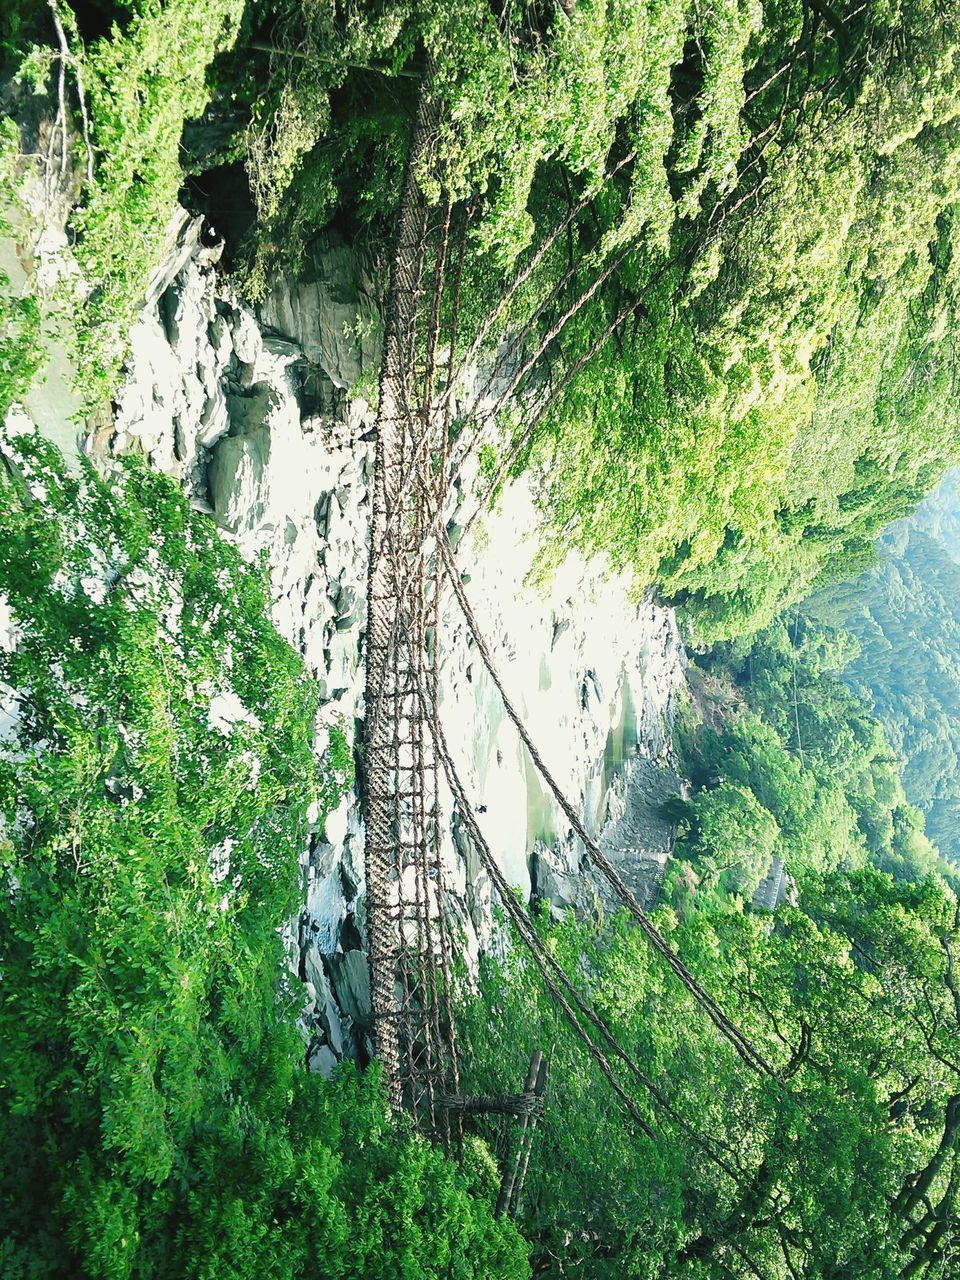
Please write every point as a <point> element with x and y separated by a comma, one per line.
<point>425,434</point>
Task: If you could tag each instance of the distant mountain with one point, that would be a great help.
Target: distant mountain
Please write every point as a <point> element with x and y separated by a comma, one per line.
<point>938,516</point>
<point>905,613</point>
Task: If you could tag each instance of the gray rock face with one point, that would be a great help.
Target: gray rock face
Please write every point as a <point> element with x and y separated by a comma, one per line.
<point>173,403</point>
<point>352,982</point>
<point>558,878</point>
<point>182,243</point>
<point>637,837</point>
<point>245,467</point>
<point>331,312</point>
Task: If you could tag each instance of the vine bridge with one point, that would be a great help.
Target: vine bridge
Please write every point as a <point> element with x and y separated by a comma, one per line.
<point>424,438</point>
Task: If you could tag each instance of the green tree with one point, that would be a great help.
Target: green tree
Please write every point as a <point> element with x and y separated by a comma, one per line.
<point>847,1165</point>
<point>156,1114</point>
<point>735,837</point>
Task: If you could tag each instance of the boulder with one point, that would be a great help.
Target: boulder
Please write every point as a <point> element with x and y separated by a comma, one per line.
<point>323,1060</point>
<point>253,475</point>
<point>181,240</point>
<point>351,984</point>
<point>330,311</point>
<point>556,878</point>
<point>151,398</point>
<point>247,343</point>
<point>237,477</point>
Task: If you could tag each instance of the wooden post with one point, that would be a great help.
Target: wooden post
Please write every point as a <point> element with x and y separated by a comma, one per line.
<point>535,1115</point>
<point>510,1177</point>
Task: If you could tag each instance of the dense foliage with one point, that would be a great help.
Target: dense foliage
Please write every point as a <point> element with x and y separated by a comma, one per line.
<point>786,384</point>
<point>156,771</point>
<point>767,281</point>
<point>773,264</point>
<point>849,1163</point>
<point>791,764</point>
<point>848,1166</point>
<point>143,74</point>
<point>904,614</point>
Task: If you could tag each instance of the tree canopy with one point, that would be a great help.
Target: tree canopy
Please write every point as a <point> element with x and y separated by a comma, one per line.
<point>759,259</point>
<point>848,1166</point>
<point>903,614</point>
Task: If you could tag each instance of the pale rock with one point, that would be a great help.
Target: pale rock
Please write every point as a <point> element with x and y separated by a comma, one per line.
<point>227,710</point>
<point>352,854</point>
<point>556,879</point>
<point>10,713</point>
<point>467,943</point>
<point>330,311</point>
<point>336,825</point>
<point>55,264</point>
<point>220,337</point>
<point>311,962</point>
<point>237,479</point>
<point>149,404</point>
<point>188,310</point>
<point>249,468</point>
<point>9,628</point>
<point>181,240</point>
<point>214,418</point>
<point>318,608</point>
<point>323,1060</point>
<point>247,342</point>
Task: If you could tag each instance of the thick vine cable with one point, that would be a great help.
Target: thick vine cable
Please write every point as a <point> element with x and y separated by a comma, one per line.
<point>722,1022</point>
<point>553,974</point>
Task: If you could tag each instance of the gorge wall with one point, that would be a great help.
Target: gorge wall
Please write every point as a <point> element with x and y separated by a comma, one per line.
<point>259,416</point>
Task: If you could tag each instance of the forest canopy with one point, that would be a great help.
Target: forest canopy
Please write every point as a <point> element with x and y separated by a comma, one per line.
<point>903,616</point>
<point>156,1115</point>
<point>722,244</point>
<point>759,255</point>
